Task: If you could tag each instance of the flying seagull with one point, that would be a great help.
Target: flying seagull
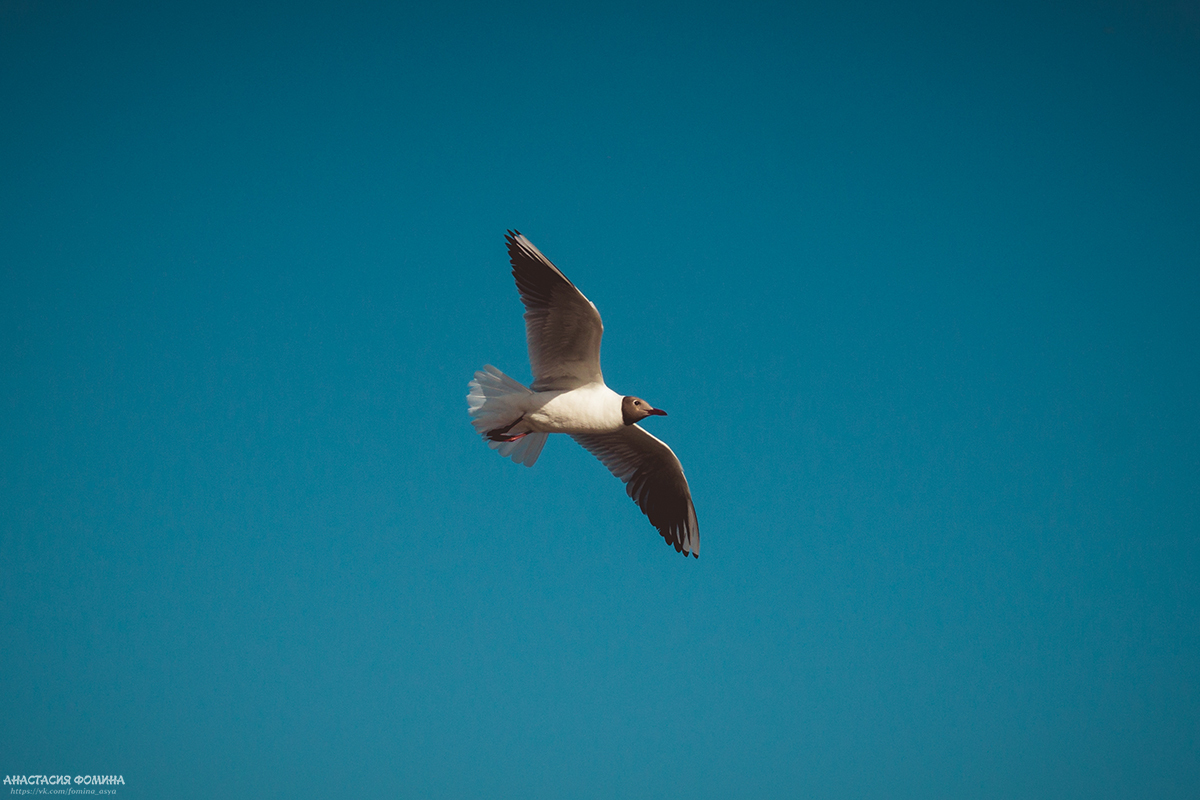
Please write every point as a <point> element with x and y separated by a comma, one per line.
<point>568,395</point>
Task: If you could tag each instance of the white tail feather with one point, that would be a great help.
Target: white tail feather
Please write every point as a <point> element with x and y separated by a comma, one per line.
<point>493,404</point>
<point>524,450</point>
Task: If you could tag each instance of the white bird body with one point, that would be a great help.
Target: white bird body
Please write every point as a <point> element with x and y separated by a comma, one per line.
<point>592,408</point>
<point>568,395</point>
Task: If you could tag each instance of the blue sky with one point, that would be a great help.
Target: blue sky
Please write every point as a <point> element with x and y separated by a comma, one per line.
<point>918,284</point>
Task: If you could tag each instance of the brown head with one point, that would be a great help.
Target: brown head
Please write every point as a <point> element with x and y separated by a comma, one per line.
<point>635,409</point>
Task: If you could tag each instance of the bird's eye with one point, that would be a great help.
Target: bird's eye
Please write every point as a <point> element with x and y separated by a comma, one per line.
<point>637,402</point>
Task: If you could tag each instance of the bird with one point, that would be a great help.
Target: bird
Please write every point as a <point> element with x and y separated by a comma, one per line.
<point>568,395</point>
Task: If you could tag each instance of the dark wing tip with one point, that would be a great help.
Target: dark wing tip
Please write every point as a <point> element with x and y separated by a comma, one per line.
<point>676,538</point>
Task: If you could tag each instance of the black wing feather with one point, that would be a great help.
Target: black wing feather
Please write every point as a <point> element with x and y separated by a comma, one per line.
<point>562,327</point>
<point>654,479</point>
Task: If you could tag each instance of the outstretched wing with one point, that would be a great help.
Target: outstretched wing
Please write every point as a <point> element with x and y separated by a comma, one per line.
<point>562,327</point>
<point>654,479</point>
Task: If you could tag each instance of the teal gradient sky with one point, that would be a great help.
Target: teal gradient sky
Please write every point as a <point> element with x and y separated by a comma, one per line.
<point>918,284</point>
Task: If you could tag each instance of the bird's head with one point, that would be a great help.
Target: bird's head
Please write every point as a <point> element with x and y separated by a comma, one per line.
<point>635,409</point>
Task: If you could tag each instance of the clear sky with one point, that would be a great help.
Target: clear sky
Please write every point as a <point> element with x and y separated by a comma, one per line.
<point>917,282</point>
